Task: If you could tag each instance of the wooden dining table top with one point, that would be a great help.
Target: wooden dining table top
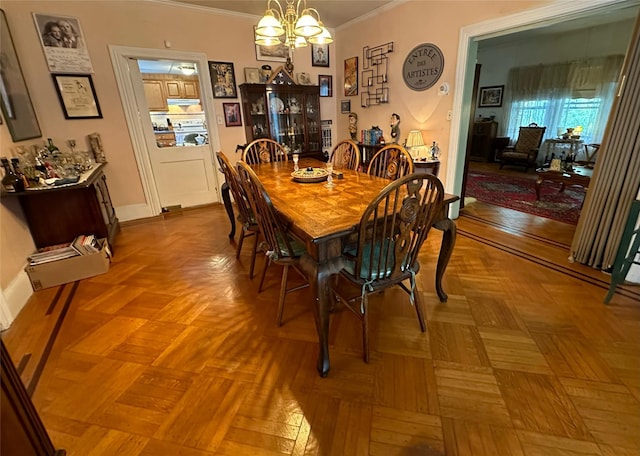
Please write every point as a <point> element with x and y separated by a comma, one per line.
<point>318,213</point>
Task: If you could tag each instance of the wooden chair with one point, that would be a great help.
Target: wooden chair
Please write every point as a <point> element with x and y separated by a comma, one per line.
<point>392,229</point>
<point>281,247</point>
<point>264,150</point>
<point>391,162</point>
<point>345,155</point>
<point>525,151</point>
<point>590,152</point>
<point>245,214</point>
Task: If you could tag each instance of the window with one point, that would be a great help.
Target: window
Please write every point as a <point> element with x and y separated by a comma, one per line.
<point>557,116</point>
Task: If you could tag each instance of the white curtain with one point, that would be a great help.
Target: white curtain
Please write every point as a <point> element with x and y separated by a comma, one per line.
<point>540,94</point>
<point>616,179</point>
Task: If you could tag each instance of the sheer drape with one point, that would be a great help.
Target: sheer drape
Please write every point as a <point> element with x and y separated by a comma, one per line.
<point>540,93</point>
<point>616,179</point>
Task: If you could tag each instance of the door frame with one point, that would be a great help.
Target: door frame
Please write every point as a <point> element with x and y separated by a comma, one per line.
<point>465,69</point>
<point>119,57</point>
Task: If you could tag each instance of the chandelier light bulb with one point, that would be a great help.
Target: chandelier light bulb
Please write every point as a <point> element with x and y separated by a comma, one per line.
<point>294,26</point>
<point>323,37</point>
<point>267,41</point>
<point>269,25</point>
<point>307,26</point>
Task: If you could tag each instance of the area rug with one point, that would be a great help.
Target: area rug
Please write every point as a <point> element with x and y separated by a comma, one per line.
<point>519,194</point>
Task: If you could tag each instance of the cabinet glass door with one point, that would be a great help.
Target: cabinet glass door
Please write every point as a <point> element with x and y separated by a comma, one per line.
<point>312,105</point>
<point>286,118</point>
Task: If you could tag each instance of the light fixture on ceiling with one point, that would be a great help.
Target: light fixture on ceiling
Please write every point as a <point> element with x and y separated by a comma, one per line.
<point>187,70</point>
<point>295,27</point>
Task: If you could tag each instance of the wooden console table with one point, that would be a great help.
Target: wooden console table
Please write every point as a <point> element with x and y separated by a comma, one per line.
<point>56,215</point>
<point>427,166</point>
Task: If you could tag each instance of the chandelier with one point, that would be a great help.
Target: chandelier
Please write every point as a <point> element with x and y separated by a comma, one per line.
<point>295,27</point>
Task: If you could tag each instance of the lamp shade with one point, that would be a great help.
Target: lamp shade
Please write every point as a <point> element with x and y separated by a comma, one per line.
<point>307,25</point>
<point>300,42</point>
<point>269,26</point>
<point>323,37</point>
<point>267,40</point>
<point>415,139</point>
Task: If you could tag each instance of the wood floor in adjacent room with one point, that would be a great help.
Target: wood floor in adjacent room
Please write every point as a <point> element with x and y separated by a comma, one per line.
<point>173,352</point>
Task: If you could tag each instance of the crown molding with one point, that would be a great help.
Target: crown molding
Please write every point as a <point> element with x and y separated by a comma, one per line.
<point>372,13</point>
<point>204,9</point>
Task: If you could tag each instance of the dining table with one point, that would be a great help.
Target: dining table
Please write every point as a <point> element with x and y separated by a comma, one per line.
<point>324,218</point>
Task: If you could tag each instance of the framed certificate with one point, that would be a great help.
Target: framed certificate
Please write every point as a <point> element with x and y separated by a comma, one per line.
<point>77,96</point>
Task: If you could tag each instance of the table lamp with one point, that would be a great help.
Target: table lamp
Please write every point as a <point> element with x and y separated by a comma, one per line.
<point>415,143</point>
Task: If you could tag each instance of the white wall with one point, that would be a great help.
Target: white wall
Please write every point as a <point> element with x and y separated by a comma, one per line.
<point>498,57</point>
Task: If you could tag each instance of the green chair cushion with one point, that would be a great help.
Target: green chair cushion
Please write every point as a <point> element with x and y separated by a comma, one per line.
<point>365,271</point>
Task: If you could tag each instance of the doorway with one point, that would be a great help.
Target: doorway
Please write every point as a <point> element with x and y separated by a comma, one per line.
<point>174,175</point>
<point>464,100</point>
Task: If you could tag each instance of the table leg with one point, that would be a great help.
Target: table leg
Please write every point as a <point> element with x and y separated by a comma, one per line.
<point>319,274</point>
<point>538,184</point>
<point>448,228</point>
<point>229,207</point>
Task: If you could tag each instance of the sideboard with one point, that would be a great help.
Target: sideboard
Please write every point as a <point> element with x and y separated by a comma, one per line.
<point>57,215</point>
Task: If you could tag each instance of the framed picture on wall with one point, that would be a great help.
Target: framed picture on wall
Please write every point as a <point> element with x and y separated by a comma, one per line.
<point>15,101</point>
<point>276,53</point>
<point>325,81</point>
<point>223,80</point>
<point>63,43</point>
<point>490,97</point>
<point>232,117</point>
<point>77,96</point>
<point>320,55</point>
<point>351,76</point>
<point>345,106</point>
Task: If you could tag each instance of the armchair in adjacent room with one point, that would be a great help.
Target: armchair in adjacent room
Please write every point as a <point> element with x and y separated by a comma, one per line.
<point>525,151</point>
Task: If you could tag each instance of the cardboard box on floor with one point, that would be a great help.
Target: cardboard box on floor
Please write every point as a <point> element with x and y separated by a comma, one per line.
<point>70,269</point>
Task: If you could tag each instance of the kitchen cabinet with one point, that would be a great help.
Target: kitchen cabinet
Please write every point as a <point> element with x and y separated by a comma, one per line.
<point>182,89</point>
<point>57,215</point>
<point>482,141</point>
<point>154,92</point>
<point>160,87</point>
<point>288,114</point>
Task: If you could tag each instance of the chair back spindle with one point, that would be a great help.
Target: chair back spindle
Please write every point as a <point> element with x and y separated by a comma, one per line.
<point>345,155</point>
<point>273,230</point>
<point>264,150</point>
<point>395,225</point>
<point>245,215</point>
<point>391,162</point>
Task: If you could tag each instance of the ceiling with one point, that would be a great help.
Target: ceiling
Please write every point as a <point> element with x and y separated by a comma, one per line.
<point>333,13</point>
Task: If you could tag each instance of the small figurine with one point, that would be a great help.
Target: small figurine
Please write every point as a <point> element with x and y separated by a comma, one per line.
<point>353,126</point>
<point>395,127</point>
<point>435,151</point>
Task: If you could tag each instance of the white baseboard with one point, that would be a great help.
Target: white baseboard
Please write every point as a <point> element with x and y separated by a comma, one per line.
<point>133,212</point>
<point>14,298</point>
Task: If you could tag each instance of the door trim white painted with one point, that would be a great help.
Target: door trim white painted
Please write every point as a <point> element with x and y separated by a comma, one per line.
<point>119,58</point>
<point>467,54</point>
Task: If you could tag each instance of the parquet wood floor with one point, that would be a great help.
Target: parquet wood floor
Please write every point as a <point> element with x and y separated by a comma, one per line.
<point>173,352</point>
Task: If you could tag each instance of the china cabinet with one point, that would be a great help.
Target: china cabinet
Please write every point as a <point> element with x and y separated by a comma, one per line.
<point>288,114</point>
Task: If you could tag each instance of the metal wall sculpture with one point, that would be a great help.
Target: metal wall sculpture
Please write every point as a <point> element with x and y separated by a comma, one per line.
<point>375,69</point>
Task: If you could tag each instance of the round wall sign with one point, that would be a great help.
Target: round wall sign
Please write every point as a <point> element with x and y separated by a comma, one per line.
<point>423,66</point>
